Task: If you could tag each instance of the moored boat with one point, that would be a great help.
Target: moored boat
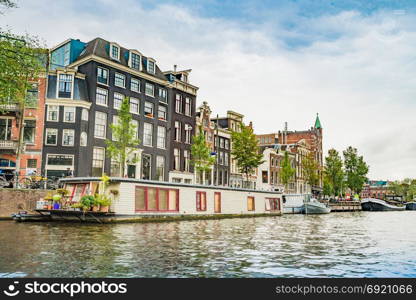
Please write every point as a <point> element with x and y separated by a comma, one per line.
<point>411,205</point>
<point>373,204</point>
<point>315,207</point>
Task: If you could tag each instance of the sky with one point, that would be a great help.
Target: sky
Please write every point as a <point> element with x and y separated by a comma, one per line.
<point>351,61</point>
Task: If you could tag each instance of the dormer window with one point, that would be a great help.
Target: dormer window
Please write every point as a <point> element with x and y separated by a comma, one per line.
<point>65,85</point>
<point>135,61</point>
<point>185,78</point>
<point>115,52</point>
<point>151,66</point>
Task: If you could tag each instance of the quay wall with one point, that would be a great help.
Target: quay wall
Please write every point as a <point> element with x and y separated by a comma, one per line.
<point>14,200</point>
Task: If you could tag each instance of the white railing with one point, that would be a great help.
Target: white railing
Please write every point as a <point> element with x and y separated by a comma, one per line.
<point>8,145</point>
<point>12,106</point>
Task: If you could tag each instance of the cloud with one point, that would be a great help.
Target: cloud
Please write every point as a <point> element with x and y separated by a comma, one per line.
<point>357,70</point>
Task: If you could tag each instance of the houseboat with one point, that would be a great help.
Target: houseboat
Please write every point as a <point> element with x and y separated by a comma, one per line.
<point>373,204</point>
<point>144,200</point>
<point>411,205</point>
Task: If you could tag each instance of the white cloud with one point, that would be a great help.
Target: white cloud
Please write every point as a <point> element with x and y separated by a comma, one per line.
<point>362,83</point>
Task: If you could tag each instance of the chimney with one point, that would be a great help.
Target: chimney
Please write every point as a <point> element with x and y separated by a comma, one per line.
<point>174,68</point>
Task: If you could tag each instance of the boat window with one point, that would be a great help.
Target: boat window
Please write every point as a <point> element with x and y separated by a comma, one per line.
<point>201,201</point>
<point>274,204</point>
<point>156,199</point>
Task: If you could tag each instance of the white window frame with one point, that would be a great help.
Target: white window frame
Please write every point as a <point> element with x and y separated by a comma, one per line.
<point>116,119</point>
<point>178,103</point>
<point>176,155</point>
<point>118,52</point>
<point>106,96</point>
<point>166,112</point>
<point>178,128</point>
<point>72,85</point>
<point>114,100</point>
<point>57,113</point>
<point>81,136</point>
<point>188,133</point>
<point>64,132</point>
<point>163,94</point>
<point>148,66</point>
<point>124,81</point>
<point>74,109</point>
<point>152,105</point>
<point>136,123</point>
<point>187,160</point>
<point>103,160</point>
<point>131,60</point>
<point>138,105</point>
<point>105,125</point>
<point>160,137</point>
<point>160,164</point>
<point>153,89</point>
<point>108,75</point>
<point>138,85</point>
<point>188,106</point>
<point>145,124</point>
<point>55,130</point>
<point>84,114</point>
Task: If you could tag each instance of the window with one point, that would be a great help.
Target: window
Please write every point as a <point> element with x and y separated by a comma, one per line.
<point>264,176</point>
<point>177,131</point>
<point>188,133</point>
<point>161,137</point>
<point>225,159</point>
<point>151,66</point>
<point>134,105</point>
<point>5,129</point>
<point>84,114</point>
<point>102,75</point>
<point>188,108</point>
<point>250,204</point>
<point>201,201</point>
<point>272,204</point>
<point>120,80</point>
<point>156,199</point>
<point>53,113</point>
<point>32,94</point>
<point>64,86</point>
<point>184,78</point>
<point>69,114</point>
<point>178,103</point>
<point>187,159</point>
<point>160,167</point>
<point>177,159</point>
<point>100,124</point>
<point>97,161</point>
<point>135,124</point>
<point>101,96</point>
<point>29,131</point>
<point>51,137</point>
<point>68,137</point>
<point>135,85</point>
<point>147,134</point>
<point>148,109</point>
<point>60,160</point>
<point>83,139</point>
<point>118,100</point>
<point>32,163</point>
<point>115,52</point>
<point>150,89</point>
<point>162,113</point>
<point>221,143</point>
<point>115,122</point>
<point>135,61</point>
<point>221,158</point>
<point>163,95</point>
<point>146,166</point>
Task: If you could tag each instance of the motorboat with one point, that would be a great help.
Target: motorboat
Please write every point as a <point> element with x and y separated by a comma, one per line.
<point>373,204</point>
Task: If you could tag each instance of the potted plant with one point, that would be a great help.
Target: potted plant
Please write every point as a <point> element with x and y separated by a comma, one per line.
<point>87,202</point>
<point>77,206</point>
<point>104,201</point>
<point>57,201</point>
<point>49,199</point>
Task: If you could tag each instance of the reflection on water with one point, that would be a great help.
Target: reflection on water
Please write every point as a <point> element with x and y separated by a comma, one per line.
<point>365,244</point>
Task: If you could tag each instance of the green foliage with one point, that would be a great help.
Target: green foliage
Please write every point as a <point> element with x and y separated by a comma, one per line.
<point>286,171</point>
<point>22,58</point>
<point>201,157</point>
<point>246,150</point>
<point>62,192</point>
<point>87,202</point>
<point>102,199</point>
<point>405,188</point>
<point>333,173</point>
<point>356,170</point>
<point>310,168</point>
<point>124,138</point>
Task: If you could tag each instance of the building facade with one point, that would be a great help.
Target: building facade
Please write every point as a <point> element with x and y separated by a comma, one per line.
<point>33,123</point>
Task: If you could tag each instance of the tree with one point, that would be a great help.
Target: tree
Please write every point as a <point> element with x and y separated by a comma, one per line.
<point>246,150</point>
<point>356,170</point>
<point>7,4</point>
<point>310,168</point>
<point>286,171</point>
<point>22,59</point>
<point>201,159</point>
<point>405,188</point>
<point>124,139</point>
<point>333,172</point>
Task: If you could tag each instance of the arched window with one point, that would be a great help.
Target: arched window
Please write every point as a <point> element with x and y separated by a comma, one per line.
<point>83,139</point>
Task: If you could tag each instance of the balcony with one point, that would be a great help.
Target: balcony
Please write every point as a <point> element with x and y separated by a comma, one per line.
<point>8,145</point>
<point>9,107</point>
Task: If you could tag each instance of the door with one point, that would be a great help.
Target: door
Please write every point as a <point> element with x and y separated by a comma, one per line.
<point>217,202</point>
<point>146,166</point>
<point>131,171</point>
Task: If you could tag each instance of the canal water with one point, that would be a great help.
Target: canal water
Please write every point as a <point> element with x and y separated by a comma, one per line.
<point>361,244</point>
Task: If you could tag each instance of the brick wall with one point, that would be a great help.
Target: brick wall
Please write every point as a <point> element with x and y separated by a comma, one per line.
<point>11,200</point>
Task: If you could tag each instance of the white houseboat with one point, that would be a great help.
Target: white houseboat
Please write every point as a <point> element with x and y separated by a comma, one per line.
<point>134,199</point>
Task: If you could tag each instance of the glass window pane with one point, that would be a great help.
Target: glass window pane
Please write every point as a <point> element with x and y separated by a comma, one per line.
<point>151,199</point>
<point>140,201</point>
<point>172,200</point>
<point>163,199</point>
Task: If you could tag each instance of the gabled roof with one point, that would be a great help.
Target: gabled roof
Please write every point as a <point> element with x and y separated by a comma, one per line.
<point>101,48</point>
